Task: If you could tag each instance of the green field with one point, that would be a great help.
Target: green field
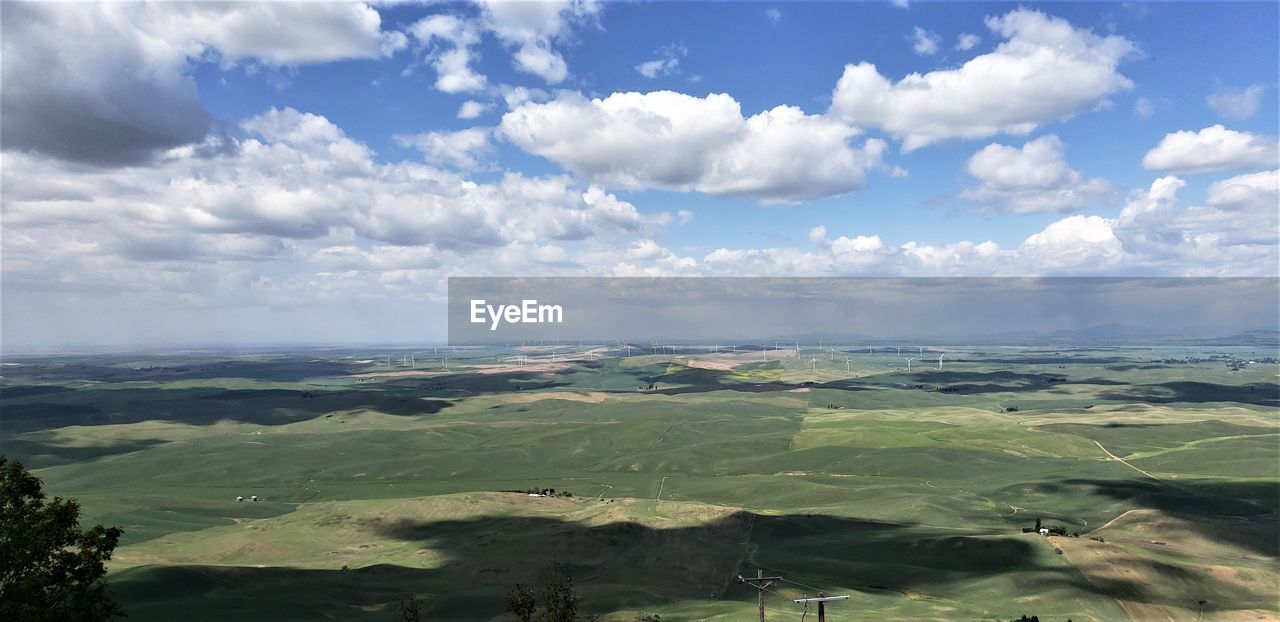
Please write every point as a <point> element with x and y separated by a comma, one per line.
<point>907,492</point>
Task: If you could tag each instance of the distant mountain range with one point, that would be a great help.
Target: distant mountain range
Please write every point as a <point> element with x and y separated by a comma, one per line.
<point>1114,334</point>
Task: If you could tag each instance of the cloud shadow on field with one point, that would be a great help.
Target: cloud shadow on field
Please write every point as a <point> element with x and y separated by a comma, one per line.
<point>202,406</point>
<point>617,565</point>
<point>1238,513</point>
<point>1256,393</point>
<point>620,566</point>
<point>38,454</point>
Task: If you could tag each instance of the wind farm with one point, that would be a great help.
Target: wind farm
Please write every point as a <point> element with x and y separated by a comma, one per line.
<point>910,489</point>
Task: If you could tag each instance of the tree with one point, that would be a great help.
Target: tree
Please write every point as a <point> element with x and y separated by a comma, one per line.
<point>49,568</point>
<point>560,597</point>
<point>411,609</point>
<point>522,603</point>
<point>560,600</point>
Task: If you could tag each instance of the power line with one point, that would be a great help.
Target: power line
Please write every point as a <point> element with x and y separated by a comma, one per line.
<point>762,584</point>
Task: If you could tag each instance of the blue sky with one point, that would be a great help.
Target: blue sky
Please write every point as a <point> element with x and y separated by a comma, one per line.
<point>279,164</point>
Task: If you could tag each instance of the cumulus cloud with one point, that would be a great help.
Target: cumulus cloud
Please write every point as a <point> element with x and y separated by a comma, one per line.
<point>666,63</point>
<point>531,29</point>
<point>923,42</point>
<point>1144,107</point>
<point>967,41</point>
<point>671,140</point>
<point>1233,234</point>
<point>1236,104</point>
<point>472,109</point>
<point>1072,243</point>
<point>297,177</point>
<point>1253,189</point>
<point>450,40</point>
<point>1214,148</point>
<point>534,27</point>
<point>1035,178</point>
<point>465,149</point>
<point>773,15</point>
<point>1045,70</point>
<point>128,96</point>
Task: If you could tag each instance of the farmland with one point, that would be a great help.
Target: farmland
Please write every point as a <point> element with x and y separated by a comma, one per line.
<point>837,469</point>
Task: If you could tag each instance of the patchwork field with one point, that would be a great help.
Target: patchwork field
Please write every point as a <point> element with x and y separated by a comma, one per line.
<point>908,492</point>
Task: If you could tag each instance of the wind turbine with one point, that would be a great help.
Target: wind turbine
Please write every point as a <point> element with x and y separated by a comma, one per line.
<point>846,364</point>
<point>940,361</point>
<point>814,360</point>
<point>909,359</point>
<point>921,351</point>
<point>899,350</point>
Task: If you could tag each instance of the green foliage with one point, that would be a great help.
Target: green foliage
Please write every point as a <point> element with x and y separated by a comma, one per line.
<point>49,568</point>
<point>560,600</point>
<point>522,602</point>
<point>411,610</point>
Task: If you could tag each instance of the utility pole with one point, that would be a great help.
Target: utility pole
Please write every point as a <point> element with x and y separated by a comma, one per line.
<point>822,604</point>
<point>760,582</point>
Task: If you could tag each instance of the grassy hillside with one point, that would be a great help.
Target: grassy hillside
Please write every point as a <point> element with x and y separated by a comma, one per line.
<point>907,492</point>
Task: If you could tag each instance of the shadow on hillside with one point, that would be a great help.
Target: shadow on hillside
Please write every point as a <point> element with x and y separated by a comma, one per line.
<point>203,406</point>
<point>118,369</point>
<point>1258,393</point>
<point>471,564</point>
<point>36,454</point>
<point>1238,513</point>
<point>472,384</point>
<point>618,565</point>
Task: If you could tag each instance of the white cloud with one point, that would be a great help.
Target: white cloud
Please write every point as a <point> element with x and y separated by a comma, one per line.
<point>1046,70</point>
<point>1252,189</point>
<point>1035,178</point>
<point>108,83</point>
<point>296,177</point>
<point>671,140</point>
<point>967,41</point>
<point>1073,243</point>
<point>1234,234</point>
<point>1236,104</point>
<point>533,28</point>
<point>923,42</point>
<point>901,4</point>
<point>774,15</point>
<point>465,149</point>
<point>471,109</point>
<point>1214,148</point>
<point>280,33</point>
<point>452,62</point>
<point>1144,107</point>
<point>666,63</point>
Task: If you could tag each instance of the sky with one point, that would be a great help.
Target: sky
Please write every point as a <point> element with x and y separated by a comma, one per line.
<point>244,172</point>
